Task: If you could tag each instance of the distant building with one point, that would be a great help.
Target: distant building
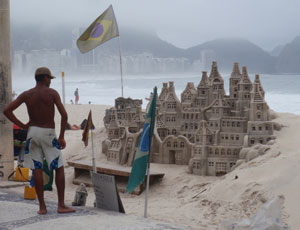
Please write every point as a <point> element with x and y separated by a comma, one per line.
<point>205,129</point>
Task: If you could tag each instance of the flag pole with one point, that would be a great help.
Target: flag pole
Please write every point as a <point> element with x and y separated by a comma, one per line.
<point>93,152</point>
<point>148,168</point>
<point>63,87</point>
<point>121,69</point>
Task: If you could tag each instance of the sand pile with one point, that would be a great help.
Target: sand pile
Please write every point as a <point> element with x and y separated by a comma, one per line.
<point>197,201</point>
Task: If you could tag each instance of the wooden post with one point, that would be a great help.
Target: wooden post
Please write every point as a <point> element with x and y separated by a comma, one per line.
<point>6,131</point>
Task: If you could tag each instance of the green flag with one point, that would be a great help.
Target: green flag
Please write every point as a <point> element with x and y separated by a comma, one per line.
<point>104,28</point>
<point>141,159</point>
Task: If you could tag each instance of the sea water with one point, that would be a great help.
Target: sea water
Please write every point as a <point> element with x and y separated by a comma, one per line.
<point>281,91</point>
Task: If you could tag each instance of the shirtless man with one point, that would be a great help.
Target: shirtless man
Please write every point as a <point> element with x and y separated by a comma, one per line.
<point>41,138</point>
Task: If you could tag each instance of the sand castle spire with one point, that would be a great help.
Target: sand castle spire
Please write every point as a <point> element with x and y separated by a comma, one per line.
<point>234,80</point>
<point>257,81</point>
<point>204,80</point>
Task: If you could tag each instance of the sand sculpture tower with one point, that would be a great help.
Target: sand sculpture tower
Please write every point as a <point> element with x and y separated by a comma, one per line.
<point>260,128</point>
<point>216,83</point>
<point>244,89</point>
<point>203,91</point>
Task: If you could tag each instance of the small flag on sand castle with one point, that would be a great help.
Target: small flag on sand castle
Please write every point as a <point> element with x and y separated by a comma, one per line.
<point>87,127</point>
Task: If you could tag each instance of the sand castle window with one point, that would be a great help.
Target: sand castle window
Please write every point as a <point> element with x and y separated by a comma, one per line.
<point>174,131</point>
<point>233,124</point>
<point>169,144</point>
<point>228,123</point>
<point>211,164</point>
<point>267,127</point>
<point>210,151</point>
<point>231,137</point>
<point>234,95</point>
<point>187,116</point>
<point>228,151</point>
<point>175,145</point>
<point>261,140</point>
<point>196,126</point>
<point>238,124</point>
<point>182,145</point>
<point>253,128</point>
<point>260,128</point>
<point>222,151</point>
<point>222,136</point>
<point>223,123</point>
<point>217,152</point>
<point>252,141</point>
<point>198,165</point>
<point>237,138</point>
<point>186,126</point>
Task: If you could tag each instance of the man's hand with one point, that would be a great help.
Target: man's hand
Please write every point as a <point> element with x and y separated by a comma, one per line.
<point>62,143</point>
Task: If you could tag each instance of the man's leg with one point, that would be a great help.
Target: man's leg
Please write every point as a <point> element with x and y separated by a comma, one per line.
<point>39,188</point>
<point>60,184</point>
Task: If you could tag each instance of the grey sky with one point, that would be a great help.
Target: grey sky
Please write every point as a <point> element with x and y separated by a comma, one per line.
<point>184,23</point>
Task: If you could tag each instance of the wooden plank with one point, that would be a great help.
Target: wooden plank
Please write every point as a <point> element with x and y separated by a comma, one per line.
<point>82,170</point>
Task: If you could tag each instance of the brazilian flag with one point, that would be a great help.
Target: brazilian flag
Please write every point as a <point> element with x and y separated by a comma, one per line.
<point>141,159</point>
<point>104,28</point>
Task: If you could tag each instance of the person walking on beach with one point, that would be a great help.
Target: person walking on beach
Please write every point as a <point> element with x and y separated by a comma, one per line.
<point>41,138</point>
<point>76,94</point>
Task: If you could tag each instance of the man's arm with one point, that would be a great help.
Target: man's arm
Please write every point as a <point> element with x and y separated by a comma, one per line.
<point>64,120</point>
<point>8,112</point>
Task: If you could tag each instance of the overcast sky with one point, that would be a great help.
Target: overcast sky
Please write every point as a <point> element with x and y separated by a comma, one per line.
<point>184,23</point>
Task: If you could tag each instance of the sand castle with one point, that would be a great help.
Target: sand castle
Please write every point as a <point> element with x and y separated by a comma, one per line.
<point>205,130</point>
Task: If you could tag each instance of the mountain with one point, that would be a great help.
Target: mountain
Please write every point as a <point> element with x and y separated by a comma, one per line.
<point>133,41</point>
<point>276,51</point>
<point>228,51</point>
<point>289,58</point>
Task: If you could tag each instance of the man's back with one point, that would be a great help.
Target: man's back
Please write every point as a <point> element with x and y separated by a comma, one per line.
<point>40,105</point>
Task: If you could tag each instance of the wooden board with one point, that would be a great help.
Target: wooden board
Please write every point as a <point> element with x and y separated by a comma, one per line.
<point>82,170</point>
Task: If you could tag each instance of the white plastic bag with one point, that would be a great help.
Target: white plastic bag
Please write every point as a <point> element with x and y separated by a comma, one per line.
<point>268,217</point>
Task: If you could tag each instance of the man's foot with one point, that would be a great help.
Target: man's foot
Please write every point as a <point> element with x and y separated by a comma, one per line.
<point>42,211</point>
<point>65,209</point>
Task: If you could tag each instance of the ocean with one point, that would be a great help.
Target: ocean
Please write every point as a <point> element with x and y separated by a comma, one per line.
<point>281,91</point>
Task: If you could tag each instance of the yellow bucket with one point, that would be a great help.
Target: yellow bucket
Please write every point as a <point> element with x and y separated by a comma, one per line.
<point>22,174</point>
<point>29,193</point>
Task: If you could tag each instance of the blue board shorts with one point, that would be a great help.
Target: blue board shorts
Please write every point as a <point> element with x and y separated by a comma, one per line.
<point>42,144</point>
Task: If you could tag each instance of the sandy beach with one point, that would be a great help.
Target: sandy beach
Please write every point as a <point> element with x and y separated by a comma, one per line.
<point>197,201</point>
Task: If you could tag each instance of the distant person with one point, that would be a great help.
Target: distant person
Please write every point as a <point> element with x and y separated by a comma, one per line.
<point>72,102</point>
<point>90,102</point>
<point>76,94</point>
<point>41,138</point>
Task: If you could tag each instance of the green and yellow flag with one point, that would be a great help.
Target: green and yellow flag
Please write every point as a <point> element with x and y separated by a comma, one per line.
<point>141,159</point>
<point>104,28</point>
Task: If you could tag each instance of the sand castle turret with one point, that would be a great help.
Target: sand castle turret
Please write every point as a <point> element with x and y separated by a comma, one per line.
<point>234,79</point>
<point>202,99</point>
